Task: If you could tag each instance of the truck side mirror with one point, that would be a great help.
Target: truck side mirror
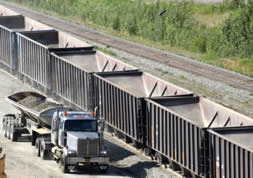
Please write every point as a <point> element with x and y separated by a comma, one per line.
<point>101,125</point>
<point>96,111</point>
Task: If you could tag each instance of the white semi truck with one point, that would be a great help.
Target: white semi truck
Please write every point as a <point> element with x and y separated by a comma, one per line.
<point>72,138</point>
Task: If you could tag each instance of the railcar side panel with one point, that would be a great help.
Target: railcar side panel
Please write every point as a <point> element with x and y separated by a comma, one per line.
<point>72,83</point>
<point>228,159</point>
<point>121,110</point>
<point>174,137</point>
<point>34,60</point>
<point>7,47</point>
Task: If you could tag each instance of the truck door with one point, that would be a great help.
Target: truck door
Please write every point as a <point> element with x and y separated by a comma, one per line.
<point>62,135</point>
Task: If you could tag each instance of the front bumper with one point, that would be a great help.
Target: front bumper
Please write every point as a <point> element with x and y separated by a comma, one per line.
<point>80,160</point>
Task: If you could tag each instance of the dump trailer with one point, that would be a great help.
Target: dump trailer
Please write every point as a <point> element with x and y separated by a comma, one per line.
<point>72,138</point>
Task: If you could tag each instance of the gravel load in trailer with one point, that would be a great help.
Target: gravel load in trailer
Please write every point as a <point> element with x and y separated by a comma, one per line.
<point>9,24</point>
<point>72,73</point>
<point>36,106</point>
<point>121,96</point>
<point>34,55</point>
<point>231,152</point>
<point>176,129</point>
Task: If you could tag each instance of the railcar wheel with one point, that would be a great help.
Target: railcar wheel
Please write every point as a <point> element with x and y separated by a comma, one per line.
<point>159,158</point>
<point>147,151</point>
<point>152,156</point>
<point>170,164</point>
<point>137,144</point>
<point>128,140</point>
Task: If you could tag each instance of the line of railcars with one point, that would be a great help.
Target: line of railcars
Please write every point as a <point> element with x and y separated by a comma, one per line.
<point>171,124</point>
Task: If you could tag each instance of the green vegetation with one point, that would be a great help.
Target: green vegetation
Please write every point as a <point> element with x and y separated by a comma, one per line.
<point>107,51</point>
<point>220,34</point>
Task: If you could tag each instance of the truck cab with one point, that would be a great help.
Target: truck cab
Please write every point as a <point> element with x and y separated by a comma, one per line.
<point>78,140</point>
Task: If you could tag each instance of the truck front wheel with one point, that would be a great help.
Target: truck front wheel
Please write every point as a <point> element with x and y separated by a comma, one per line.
<point>13,136</point>
<point>43,153</point>
<point>8,132</point>
<point>37,146</point>
<point>103,168</point>
<point>63,165</point>
<point>5,130</point>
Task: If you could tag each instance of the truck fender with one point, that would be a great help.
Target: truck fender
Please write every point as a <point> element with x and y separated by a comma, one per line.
<point>65,152</point>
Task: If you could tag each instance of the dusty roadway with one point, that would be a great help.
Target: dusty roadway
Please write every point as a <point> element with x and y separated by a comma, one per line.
<point>23,163</point>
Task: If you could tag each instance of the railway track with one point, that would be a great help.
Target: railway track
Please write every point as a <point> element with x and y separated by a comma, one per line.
<point>195,67</point>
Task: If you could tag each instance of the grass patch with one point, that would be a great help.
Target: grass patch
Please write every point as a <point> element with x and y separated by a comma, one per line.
<point>211,20</point>
<point>107,51</point>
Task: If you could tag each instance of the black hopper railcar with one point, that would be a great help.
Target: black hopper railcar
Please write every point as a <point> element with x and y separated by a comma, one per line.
<point>171,124</point>
<point>9,26</point>
<point>121,98</point>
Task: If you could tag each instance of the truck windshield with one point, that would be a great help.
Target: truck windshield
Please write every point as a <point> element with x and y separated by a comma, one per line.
<point>81,125</point>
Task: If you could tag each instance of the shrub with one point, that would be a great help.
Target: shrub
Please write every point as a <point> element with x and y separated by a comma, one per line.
<point>238,31</point>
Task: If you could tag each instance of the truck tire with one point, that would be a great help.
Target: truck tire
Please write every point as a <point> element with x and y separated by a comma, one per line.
<point>43,153</point>
<point>13,135</point>
<point>5,133</point>
<point>5,130</point>
<point>37,144</point>
<point>8,131</point>
<point>33,139</point>
<point>63,165</point>
<point>103,168</point>
<point>7,124</point>
<point>38,152</point>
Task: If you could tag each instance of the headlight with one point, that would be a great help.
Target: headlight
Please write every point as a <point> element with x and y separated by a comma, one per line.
<point>71,153</point>
<point>103,152</point>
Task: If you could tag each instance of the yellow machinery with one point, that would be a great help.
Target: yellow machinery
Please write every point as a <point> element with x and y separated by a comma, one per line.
<point>2,164</point>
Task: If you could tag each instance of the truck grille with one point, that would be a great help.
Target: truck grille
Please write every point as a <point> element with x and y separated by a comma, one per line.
<point>88,147</point>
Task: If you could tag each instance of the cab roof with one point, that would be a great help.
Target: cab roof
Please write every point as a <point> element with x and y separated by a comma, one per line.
<point>77,115</point>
